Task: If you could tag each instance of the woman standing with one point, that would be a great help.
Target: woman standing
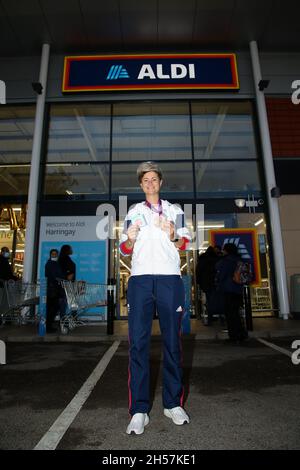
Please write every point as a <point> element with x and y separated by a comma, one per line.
<point>67,265</point>
<point>154,230</point>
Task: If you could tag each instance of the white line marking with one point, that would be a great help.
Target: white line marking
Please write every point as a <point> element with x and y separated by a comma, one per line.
<point>273,346</point>
<point>52,437</point>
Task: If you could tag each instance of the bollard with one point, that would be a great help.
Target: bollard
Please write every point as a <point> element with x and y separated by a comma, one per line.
<point>248,308</point>
<point>2,352</point>
<point>110,306</point>
<point>42,308</point>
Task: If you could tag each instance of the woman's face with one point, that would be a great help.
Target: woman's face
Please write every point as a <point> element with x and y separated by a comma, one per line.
<point>151,183</point>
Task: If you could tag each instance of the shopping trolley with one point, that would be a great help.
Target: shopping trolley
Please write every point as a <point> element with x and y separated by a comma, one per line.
<point>17,301</point>
<point>81,296</point>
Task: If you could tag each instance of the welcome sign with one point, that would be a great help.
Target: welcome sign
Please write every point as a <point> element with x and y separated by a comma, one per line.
<point>150,72</point>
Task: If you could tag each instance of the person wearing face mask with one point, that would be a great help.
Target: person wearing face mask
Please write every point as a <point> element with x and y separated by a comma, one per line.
<point>53,273</point>
<point>6,272</point>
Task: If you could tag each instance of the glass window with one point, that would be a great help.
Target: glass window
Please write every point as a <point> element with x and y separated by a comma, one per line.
<point>227,179</point>
<point>77,180</point>
<point>14,179</point>
<point>79,132</point>
<point>151,131</point>
<point>160,131</point>
<point>177,180</point>
<point>223,130</point>
<point>16,133</point>
<point>12,233</point>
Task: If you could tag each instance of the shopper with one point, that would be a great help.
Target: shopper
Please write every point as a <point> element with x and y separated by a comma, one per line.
<point>66,263</point>
<point>54,275</point>
<point>68,268</point>
<point>232,292</point>
<point>6,272</point>
<point>154,231</point>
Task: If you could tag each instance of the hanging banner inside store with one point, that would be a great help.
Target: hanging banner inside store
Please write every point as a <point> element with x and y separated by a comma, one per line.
<point>89,253</point>
<point>247,243</point>
<point>150,72</point>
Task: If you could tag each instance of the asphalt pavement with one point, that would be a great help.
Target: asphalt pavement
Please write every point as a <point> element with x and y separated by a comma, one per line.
<point>238,396</point>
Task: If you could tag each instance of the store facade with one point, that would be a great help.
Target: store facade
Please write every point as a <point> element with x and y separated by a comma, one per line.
<point>207,142</point>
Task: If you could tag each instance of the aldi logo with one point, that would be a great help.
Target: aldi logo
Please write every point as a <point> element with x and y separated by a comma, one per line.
<point>117,71</point>
<point>150,72</point>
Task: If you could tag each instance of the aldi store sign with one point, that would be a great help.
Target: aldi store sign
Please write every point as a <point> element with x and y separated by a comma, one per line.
<point>150,72</point>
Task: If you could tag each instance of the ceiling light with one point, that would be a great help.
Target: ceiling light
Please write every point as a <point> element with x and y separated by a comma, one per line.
<point>259,221</point>
<point>211,226</point>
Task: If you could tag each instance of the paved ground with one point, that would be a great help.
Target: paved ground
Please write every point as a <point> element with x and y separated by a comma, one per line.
<point>238,397</point>
<point>269,327</point>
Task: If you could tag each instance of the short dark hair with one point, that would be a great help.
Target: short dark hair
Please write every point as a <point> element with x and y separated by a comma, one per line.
<point>65,250</point>
<point>145,167</point>
<point>230,248</point>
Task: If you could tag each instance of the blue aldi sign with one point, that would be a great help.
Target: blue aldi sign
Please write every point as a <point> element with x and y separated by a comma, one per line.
<point>150,72</point>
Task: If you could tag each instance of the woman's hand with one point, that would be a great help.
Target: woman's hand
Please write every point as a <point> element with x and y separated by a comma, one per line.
<point>132,232</point>
<point>168,227</point>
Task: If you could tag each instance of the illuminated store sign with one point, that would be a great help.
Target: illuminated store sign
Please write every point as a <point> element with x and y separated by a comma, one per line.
<point>150,72</point>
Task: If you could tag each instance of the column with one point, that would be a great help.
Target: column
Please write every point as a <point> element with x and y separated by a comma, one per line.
<point>35,168</point>
<point>275,225</point>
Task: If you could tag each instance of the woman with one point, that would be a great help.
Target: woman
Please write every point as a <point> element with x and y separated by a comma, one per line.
<point>53,274</point>
<point>154,230</point>
<point>68,268</point>
<point>67,265</point>
<point>232,292</point>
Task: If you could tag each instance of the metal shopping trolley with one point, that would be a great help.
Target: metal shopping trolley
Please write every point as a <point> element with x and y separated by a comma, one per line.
<point>80,297</point>
<point>17,301</point>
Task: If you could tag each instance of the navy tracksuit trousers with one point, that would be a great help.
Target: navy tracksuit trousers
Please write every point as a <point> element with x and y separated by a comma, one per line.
<point>166,293</point>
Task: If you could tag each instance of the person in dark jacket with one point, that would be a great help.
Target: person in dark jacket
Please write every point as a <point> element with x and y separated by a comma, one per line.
<point>232,292</point>
<point>205,278</point>
<point>6,272</point>
<point>67,265</point>
<point>53,273</point>
<point>68,268</point>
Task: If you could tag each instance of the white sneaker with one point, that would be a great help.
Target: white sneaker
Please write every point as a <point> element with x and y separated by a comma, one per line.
<point>137,423</point>
<point>177,415</point>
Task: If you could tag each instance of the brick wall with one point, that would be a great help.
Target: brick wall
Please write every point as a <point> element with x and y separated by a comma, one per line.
<point>284,124</point>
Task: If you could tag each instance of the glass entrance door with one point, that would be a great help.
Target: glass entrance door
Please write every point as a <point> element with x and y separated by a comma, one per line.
<point>122,271</point>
